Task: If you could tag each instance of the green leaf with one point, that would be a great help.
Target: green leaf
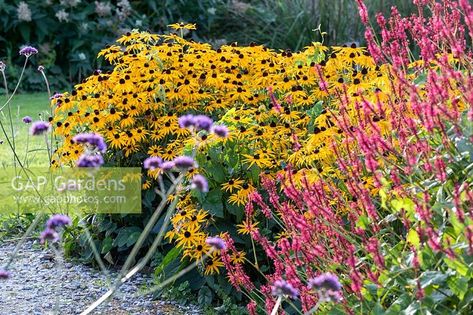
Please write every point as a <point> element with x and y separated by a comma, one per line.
<point>213,203</point>
<point>216,172</point>
<point>378,309</point>
<point>362,222</point>
<point>237,211</point>
<point>458,285</point>
<point>205,296</point>
<point>133,238</point>
<point>106,245</point>
<point>384,197</point>
<point>413,238</point>
<point>149,197</point>
<point>123,235</point>
<point>405,203</point>
<point>170,256</point>
<point>458,265</point>
<point>25,32</point>
<point>432,277</point>
<point>412,309</point>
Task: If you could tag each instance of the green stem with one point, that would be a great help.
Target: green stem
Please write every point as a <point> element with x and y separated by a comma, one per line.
<point>177,275</point>
<point>254,253</point>
<point>124,277</point>
<point>17,85</point>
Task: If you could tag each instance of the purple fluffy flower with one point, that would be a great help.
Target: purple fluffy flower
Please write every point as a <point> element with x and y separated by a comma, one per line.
<point>186,121</point>
<point>27,120</point>
<point>39,127</point>
<point>152,163</point>
<point>282,287</point>
<point>216,242</point>
<point>326,281</point>
<point>49,235</point>
<point>199,122</point>
<point>28,51</point>
<point>220,131</point>
<point>327,286</point>
<point>90,160</point>
<point>184,162</point>
<point>200,183</point>
<point>203,122</point>
<point>56,95</point>
<point>57,221</point>
<point>167,166</point>
<point>92,139</point>
<point>4,274</point>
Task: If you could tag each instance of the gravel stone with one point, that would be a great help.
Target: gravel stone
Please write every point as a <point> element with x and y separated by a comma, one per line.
<point>39,284</point>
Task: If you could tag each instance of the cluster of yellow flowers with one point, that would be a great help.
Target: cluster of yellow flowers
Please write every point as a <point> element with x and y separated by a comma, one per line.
<point>278,106</point>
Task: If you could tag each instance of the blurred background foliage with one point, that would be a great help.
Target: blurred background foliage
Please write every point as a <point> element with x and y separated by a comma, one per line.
<point>69,33</point>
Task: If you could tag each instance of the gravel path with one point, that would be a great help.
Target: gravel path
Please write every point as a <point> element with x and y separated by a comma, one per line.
<point>37,283</point>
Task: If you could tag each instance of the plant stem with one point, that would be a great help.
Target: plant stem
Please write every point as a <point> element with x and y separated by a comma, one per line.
<point>17,85</point>
<point>122,278</point>
<point>276,306</point>
<point>177,275</point>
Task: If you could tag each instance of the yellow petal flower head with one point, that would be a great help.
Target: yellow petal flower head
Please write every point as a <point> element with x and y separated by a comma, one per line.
<point>182,26</point>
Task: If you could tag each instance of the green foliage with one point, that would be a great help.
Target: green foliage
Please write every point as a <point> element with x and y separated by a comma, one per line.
<point>69,37</point>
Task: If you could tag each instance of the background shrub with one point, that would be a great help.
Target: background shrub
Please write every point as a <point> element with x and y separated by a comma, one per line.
<point>69,33</point>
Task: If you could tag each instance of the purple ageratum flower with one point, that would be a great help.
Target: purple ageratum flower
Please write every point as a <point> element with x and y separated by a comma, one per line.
<point>39,127</point>
<point>27,120</point>
<point>203,122</point>
<point>282,287</point>
<point>90,160</point>
<point>184,162</point>
<point>326,281</point>
<point>216,242</point>
<point>4,274</point>
<point>93,139</point>
<point>56,95</point>
<point>152,163</point>
<point>186,121</point>
<point>28,51</point>
<point>221,131</point>
<point>200,183</point>
<point>167,166</point>
<point>57,221</point>
<point>49,235</point>
<point>327,286</point>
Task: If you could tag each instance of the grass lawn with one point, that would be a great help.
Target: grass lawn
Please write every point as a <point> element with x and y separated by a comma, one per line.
<point>31,150</point>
